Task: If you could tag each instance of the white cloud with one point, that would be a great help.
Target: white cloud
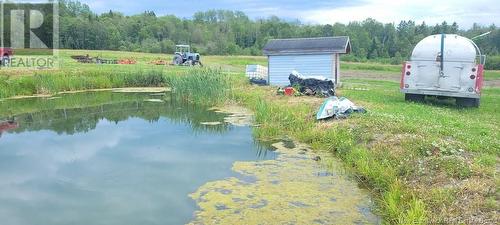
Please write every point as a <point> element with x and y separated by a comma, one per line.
<point>465,13</point>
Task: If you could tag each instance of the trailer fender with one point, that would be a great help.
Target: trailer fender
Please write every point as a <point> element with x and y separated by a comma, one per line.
<point>480,78</point>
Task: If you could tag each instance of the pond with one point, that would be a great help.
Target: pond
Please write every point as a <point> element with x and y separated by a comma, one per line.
<point>142,158</point>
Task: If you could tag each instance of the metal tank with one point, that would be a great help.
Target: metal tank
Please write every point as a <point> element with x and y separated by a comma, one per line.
<point>445,65</point>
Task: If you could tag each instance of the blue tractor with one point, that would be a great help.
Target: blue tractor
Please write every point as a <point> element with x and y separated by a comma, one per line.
<point>184,57</point>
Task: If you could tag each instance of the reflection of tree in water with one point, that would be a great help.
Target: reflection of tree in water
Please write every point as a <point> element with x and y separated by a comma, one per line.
<point>69,115</point>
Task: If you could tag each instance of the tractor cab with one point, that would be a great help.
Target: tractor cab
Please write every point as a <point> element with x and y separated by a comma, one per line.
<point>184,56</point>
<point>182,50</point>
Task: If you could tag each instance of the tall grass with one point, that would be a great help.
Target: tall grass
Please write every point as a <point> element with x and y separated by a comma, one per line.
<point>51,82</point>
<point>201,86</point>
<point>19,86</point>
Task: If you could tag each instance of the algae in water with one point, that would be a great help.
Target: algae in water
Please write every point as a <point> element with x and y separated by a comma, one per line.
<point>293,189</point>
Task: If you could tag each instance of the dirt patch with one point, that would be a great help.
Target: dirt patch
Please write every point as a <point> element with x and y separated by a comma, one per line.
<point>396,77</point>
<point>492,83</point>
<point>461,202</point>
<point>375,75</point>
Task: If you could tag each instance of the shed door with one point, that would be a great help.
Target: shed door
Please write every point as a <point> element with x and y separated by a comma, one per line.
<point>281,66</point>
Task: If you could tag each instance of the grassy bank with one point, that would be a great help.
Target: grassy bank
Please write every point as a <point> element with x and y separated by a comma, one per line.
<point>427,163</point>
<point>51,82</point>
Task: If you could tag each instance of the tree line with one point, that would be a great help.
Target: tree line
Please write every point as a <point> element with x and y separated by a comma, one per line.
<point>222,32</point>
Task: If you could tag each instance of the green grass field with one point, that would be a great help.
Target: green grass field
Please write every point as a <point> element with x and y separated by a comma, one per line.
<point>425,163</point>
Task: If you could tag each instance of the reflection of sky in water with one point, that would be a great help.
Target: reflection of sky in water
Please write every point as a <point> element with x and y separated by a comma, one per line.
<point>133,172</point>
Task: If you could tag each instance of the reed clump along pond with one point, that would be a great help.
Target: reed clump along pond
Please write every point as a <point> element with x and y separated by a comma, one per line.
<point>424,163</point>
<point>202,86</point>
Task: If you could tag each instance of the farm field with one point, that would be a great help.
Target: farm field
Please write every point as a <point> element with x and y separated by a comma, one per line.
<point>424,162</point>
<point>225,63</point>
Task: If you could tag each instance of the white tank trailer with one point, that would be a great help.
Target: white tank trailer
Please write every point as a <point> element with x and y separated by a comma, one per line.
<point>445,65</point>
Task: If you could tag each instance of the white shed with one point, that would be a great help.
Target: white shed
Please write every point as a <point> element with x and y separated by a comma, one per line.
<point>309,56</point>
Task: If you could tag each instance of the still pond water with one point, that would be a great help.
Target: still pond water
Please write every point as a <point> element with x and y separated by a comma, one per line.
<point>115,158</point>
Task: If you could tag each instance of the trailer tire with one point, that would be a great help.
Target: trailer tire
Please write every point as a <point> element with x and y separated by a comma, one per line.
<point>468,102</point>
<point>414,98</point>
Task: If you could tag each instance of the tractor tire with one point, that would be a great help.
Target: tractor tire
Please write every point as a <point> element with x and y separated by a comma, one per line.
<point>414,98</point>
<point>198,61</point>
<point>178,60</point>
<point>468,102</point>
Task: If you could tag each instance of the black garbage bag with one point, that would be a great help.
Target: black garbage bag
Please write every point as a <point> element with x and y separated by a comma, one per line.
<point>258,81</point>
<point>312,86</point>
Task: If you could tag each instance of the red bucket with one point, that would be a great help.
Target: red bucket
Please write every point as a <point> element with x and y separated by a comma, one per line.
<point>289,91</point>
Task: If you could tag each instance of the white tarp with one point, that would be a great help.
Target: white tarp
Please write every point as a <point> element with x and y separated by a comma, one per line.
<point>337,107</point>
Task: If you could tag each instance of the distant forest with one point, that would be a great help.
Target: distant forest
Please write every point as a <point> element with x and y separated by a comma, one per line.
<point>221,32</point>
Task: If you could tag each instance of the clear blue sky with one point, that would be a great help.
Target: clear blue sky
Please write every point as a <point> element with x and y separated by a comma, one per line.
<point>323,11</point>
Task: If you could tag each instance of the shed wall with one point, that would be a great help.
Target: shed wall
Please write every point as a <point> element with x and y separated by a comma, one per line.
<point>280,67</point>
